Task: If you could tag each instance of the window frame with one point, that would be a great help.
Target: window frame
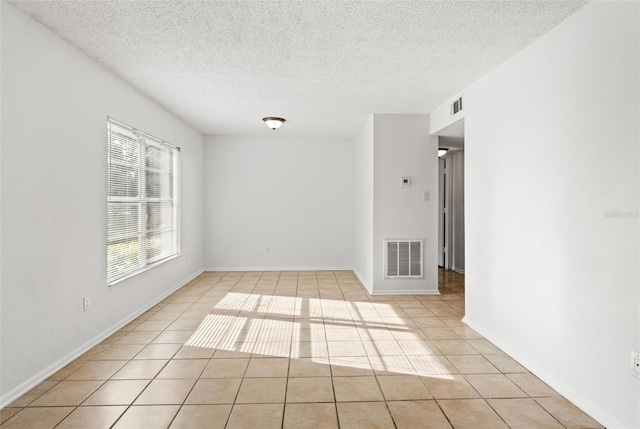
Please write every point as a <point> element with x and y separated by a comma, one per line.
<point>143,202</point>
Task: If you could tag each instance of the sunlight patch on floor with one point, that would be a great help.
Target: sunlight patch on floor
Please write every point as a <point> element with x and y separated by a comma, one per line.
<point>355,334</point>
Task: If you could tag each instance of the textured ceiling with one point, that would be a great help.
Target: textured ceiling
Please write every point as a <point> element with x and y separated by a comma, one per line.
<point>323,65</point>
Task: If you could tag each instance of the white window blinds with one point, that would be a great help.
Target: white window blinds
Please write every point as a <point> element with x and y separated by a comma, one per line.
<point>142,201</point>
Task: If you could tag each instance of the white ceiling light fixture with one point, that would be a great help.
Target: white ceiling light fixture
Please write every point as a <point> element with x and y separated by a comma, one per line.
<point>442,151</point>
<point>273,122</point>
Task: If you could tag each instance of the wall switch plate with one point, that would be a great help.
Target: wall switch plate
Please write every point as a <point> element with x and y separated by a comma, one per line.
<point>635,363</point>
<point>86,304</point>
<point>425,196</point>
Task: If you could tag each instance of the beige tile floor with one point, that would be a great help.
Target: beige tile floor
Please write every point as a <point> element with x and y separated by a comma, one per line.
<point>295,350</point>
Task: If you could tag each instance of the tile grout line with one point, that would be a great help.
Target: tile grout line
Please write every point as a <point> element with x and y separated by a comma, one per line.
<point>334,290</point>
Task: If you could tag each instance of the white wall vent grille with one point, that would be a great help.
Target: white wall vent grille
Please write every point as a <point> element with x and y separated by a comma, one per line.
<point>403,258</point>
<point>456,106</point>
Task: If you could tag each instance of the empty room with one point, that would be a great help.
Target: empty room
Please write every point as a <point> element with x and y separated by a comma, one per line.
<point>319,214</point>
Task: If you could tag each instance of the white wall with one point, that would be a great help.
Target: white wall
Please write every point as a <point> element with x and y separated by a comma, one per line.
<point>1,223</point>
<point>552,194</point>
<point>441,117</point>
<point>363,205</point>
<point>456,163</point>
<point>403,147</point>
<point>441,205</point>
<point>55,103</point>
<point>291,195</point>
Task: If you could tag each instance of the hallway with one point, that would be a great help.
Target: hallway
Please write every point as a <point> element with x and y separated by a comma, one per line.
<point>295,350</point>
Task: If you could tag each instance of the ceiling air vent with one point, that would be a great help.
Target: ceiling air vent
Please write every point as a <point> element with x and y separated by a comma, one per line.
<point>403,258</point>
<point>456,106</point>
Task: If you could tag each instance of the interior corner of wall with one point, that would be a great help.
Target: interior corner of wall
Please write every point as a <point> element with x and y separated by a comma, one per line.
<point>363,281</point>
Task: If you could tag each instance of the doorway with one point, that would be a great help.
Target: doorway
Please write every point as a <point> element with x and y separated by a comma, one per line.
<point>443,222</point>
<point>451,205</point>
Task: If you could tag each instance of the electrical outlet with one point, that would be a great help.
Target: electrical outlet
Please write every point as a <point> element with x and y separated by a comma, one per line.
<point>268,249</point>
<point>635,363</point>
<point>86,304</point>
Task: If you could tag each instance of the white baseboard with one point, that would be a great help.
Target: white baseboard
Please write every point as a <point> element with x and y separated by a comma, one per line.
<point>406,292</point>
<point>253,269</point>
<point>369,288</point>
<point>458,270</point>
<point>567,391</point>
<point>38,378</point>
<point>364,283</point>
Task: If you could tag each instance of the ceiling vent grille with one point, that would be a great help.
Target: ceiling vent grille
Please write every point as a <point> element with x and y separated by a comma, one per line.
<point>456,106</point>
<point>403,258</point>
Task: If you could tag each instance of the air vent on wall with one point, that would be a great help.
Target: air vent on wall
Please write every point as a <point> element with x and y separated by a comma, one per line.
<point>456,106</point>
<point>403,258</point>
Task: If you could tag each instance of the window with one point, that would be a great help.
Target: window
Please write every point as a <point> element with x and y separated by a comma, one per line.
<point>142,201</point>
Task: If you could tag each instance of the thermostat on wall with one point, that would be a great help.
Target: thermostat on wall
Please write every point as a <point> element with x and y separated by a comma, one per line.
<point>406,182</point>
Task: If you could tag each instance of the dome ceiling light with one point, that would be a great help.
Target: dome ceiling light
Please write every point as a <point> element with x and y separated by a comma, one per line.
<point>273,122</point>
